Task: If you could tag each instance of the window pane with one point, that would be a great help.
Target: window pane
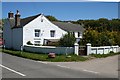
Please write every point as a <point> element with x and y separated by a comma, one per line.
<point>37,42</point>
<point>78,34</point>
<point>37,33</point>
<point>52,33</point>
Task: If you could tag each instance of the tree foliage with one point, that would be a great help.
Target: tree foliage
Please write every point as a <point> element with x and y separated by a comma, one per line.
<point>101,32</point>
<point>96,38</point>
<point>67,40</point>
<point>51,18</point>
<point>101,24</point>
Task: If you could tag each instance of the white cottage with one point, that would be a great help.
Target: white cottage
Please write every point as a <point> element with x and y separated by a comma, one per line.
<point>36,29</point>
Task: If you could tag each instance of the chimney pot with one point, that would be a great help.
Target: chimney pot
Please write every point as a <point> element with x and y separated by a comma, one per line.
<point>17,19</point>
<point>10,15</point>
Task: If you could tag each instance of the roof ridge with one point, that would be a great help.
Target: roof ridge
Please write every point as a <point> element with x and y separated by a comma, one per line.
<point>69,26</point>
<point>66,22</point>
<point>32,16</point>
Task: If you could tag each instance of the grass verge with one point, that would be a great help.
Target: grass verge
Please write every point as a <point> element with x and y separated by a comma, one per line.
<point>44,57</point>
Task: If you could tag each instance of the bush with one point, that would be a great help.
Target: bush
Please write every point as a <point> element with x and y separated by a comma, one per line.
<point>29,43</point>
<point>111,52</point>
<point>67,40</point>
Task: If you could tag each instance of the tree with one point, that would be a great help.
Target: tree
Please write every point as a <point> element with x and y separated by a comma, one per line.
<point>1,24</point>
<point>67,40</point>
<point>51,18</point>
<point>117,38</point>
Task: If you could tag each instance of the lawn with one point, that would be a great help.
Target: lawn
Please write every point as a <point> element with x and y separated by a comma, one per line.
<point>58,58</point>
<point>44,57</point>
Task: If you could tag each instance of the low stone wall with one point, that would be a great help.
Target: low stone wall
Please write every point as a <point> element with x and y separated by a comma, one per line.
<point>49,49</point>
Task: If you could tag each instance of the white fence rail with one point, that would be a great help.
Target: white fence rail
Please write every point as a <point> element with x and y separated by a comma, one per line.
<point>119,49</point>
<point>102,49</point>
<point>49,49</point>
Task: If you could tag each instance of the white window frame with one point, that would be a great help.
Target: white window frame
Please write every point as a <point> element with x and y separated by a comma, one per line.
<point>52,34</point>
<point>37,42</point>
<point>37,34</point>
<point>79,34</point>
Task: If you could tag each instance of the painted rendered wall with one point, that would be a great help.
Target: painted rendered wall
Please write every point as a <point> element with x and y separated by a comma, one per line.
<point>17,38</point>
<point>7,34</point>
<point>13,37</point>
<point>49,49</point>
<point>45,28</point>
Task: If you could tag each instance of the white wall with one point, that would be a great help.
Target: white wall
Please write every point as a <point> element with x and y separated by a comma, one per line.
<point>76,35</point>
<point>49,49</point>
<point>102,49</point>
<point>7,34</point>
<point>119,49</point>
<point>45,28</point>
<point>17,38</point>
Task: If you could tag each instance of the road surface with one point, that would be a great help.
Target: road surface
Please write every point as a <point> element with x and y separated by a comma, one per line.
<point>16,67</point>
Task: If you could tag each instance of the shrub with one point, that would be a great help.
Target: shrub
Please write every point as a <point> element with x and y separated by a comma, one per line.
<point>111,52</point>
<point>67,40</point>
<point>29,43</point>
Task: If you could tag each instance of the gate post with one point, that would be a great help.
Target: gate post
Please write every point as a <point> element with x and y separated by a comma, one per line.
<point>88,47</point>
<point>76,48</point>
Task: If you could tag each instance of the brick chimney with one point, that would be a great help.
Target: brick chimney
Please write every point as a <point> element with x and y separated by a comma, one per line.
<point>10,15</point>
<point>17,19</point>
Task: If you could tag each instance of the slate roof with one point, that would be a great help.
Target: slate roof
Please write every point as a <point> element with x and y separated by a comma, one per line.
<point>68,26</point>
<point>63,25</point>
<point>23,21</point>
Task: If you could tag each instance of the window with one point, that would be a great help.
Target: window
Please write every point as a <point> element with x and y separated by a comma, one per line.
<point>73,33</point>
<point>36,42</point>
<point>37,33</point>
<point>79,34</point>
<point>52,33</point>
<point>41,20</point>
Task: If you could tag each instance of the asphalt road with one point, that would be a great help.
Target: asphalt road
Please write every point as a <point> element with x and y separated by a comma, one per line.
<point>16,67</point>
